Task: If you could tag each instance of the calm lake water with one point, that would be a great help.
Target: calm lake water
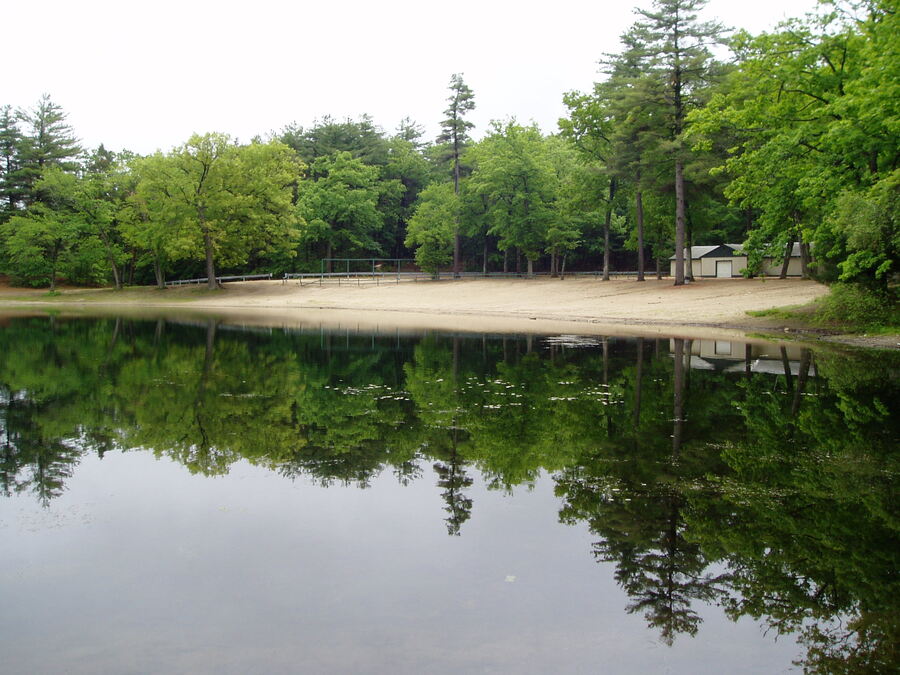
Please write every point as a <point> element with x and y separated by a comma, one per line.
<point>182,496</point>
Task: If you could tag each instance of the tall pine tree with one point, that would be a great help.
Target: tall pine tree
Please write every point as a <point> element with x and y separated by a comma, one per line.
<point>47,141</point>
<point>455,133</point>
<point>10,163</point>
<point>675,46</point>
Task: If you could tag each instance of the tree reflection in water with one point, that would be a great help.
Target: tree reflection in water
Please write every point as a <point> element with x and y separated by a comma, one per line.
<point>765,484</point>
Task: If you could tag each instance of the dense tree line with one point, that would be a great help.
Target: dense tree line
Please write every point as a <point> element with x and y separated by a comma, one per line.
<point>793,137</point>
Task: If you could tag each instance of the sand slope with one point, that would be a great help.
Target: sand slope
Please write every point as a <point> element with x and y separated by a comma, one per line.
<point>718,302</point>
<point>510,305</point>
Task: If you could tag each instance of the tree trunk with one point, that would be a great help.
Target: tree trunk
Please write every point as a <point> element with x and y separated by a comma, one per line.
<point>804,257</point>
<point>639,209</point>
<point>518,260</point>
<point>457,263</point>
<point>679,223</point>
<point>485,256</point>
<point>211,326</point>
<point>530,268</point>
<point>199,412</point>
<point>805,358</point>
<point>562,271</point>
<point>658,268</point>
<point>158,273</point>
<point>117,328</point>
<point>606,223</point>
<point>117,279</point>
<point>787,260</point>
<point>211,282</point>
<point>553,264</point>
<point>131,265</point>
<point>678,403</point>
<point>53,272</point>
<point>636,416</point>
<point>606,245</point>
<point>689,239</point>
<point>605,382</point>
<point>506,261</point>
<point>786,365</point>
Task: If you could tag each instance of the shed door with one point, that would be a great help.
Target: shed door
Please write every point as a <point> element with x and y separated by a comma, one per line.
<point>723,269</point>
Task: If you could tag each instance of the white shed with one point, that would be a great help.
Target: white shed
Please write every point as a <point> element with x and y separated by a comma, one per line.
<point>772,266</point>
<point>723,261</point>
<point>728,260</point>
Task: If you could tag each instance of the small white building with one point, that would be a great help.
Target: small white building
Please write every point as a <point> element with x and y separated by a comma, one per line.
<point>725,261</point>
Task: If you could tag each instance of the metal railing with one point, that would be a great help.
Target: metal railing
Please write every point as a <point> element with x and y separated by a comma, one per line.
<point>203,280</point>
<point>395,277</point>
<point>378,277</point>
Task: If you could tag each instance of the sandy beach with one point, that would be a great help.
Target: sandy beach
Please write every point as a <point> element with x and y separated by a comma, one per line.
<point>583,305</point>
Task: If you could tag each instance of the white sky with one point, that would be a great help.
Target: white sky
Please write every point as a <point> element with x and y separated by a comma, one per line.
<point>147,75</point>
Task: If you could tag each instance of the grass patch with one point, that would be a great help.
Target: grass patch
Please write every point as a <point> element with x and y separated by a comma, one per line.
<point>848,308</point>
<point>855,307</point>
<point>789,312</point>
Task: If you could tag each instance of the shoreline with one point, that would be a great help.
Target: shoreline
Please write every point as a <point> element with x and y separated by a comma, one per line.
<point>708,307</point>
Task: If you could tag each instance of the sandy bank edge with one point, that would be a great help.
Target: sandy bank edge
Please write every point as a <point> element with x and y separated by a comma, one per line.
<point>715,309</point>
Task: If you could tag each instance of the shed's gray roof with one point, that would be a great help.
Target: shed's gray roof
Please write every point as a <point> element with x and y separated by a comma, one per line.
<point>701,251</point>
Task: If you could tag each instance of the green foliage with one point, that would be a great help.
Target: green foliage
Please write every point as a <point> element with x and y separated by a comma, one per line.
<point>340,206</point>
<point>149,218</point>
<point>794,141</point>
<point>11,178</point>
<point>48,141</point>
<point>814,149</point>
<point>432,227</point>
<point>514,173</point>
<point>37,246</point>
<point>403,178</point>
<point>859,307</point>
<point>361,138</point>
<point>771,495</point>
<point>455,128</point>
<point>224,202</point>
<point>867,226</point>
<point>68,231</point>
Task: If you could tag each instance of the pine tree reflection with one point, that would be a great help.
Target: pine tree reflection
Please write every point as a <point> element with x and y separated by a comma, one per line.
<point>766,486</point>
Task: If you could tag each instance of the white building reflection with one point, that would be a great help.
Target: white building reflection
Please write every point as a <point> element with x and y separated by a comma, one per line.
<point>742,357</point>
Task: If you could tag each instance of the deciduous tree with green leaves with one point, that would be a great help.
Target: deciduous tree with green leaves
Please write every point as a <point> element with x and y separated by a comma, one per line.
<point>513,171</point>
<point>811,107</point>
<point>230,200</point>
<point>340,205</point>
<point>432,227</point>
